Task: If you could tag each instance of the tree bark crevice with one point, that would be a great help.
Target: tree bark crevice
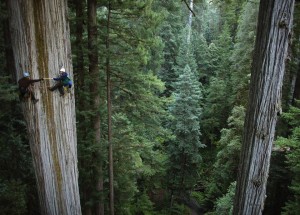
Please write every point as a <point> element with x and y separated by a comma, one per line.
<point>272,40</point>
<point>41,44</point>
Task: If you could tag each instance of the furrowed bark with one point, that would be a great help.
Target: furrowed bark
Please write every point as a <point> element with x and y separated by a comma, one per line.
<point>273,33</point>
<point>41,45</point>
<point>95,92</point>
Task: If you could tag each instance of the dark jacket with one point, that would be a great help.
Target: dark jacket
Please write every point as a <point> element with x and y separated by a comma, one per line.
<point>25,82</point>
<point>65,80</point>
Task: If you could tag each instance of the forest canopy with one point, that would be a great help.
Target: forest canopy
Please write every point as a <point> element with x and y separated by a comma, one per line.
<point>157,107</point>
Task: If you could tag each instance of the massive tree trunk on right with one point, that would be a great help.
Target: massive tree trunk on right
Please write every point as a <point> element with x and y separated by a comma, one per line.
<point>273,33</point>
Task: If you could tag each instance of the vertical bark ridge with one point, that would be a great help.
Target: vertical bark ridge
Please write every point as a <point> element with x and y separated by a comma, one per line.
<point>275,19</point>
<point>41,45</point>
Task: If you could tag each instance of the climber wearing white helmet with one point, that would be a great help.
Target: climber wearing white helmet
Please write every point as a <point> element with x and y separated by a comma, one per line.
<point>62,81</point>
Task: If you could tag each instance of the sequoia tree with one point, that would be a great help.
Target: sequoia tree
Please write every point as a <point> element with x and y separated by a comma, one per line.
<point>41,45</point>
<point>270,53</point>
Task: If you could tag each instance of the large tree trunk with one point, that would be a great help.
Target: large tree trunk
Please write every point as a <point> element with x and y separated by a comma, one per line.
<point>109,118</point>
<point>79,66</point>
<point>274,27</point>
<point>95,92</point>
<point>41,45</point>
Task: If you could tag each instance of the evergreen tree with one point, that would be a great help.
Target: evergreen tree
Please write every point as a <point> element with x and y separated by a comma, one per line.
<point>211,25</point>
<point>241,58</point>
<point>137,109</point>
<point>224,205</point>
<point>184,150</point>
<point>229,12</point>
<point>227,158</point>
<point>202,57</point>
<point>185,55</point>
<point>217,102</point>
<point>292,148</point>
<point>169,33</point>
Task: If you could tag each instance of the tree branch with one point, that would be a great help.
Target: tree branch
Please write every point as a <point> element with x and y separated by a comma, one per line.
<point>189,7</point>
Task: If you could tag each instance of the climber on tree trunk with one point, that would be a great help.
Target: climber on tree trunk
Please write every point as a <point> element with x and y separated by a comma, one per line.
<point>63,81</point>
<point>26,87</point>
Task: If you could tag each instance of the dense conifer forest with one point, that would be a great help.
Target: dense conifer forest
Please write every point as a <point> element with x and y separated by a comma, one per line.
<point>159,117</point>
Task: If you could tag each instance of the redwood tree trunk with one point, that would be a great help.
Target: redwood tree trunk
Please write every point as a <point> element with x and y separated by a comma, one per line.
<point>274,27</point>
<point>95,92</point>
<point>79,66</point>
<point>41,45</point>
<point>109,119</point>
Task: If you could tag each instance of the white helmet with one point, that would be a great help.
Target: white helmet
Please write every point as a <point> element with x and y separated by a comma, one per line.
<point>26,74</point>
<point>62,69</point>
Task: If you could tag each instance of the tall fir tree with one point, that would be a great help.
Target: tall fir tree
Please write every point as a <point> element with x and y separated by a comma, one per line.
<point>169,32</point>
<point>184,150</point>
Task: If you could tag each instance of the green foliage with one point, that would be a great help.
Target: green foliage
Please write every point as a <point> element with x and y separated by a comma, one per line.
<point>12,197</point>
<point>138,110</point>
<point>185,55</point>
<point>143,205</point>
<point>202,57</point>
<point>184,151</point>
<point>135,160</point>
<point>198,197</point>
<point>224,205</point>
<point>227,159</point>
<point>217,100</point>
<point>179,209</point>
<point>292,147</point>
<point>243,52</point>
<point>216,109</point>
<point>16,172</point>
<point>167,73</point>
<point>210,20</point>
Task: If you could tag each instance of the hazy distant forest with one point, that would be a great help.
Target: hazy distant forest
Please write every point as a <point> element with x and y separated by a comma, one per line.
<point>163,116</point>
